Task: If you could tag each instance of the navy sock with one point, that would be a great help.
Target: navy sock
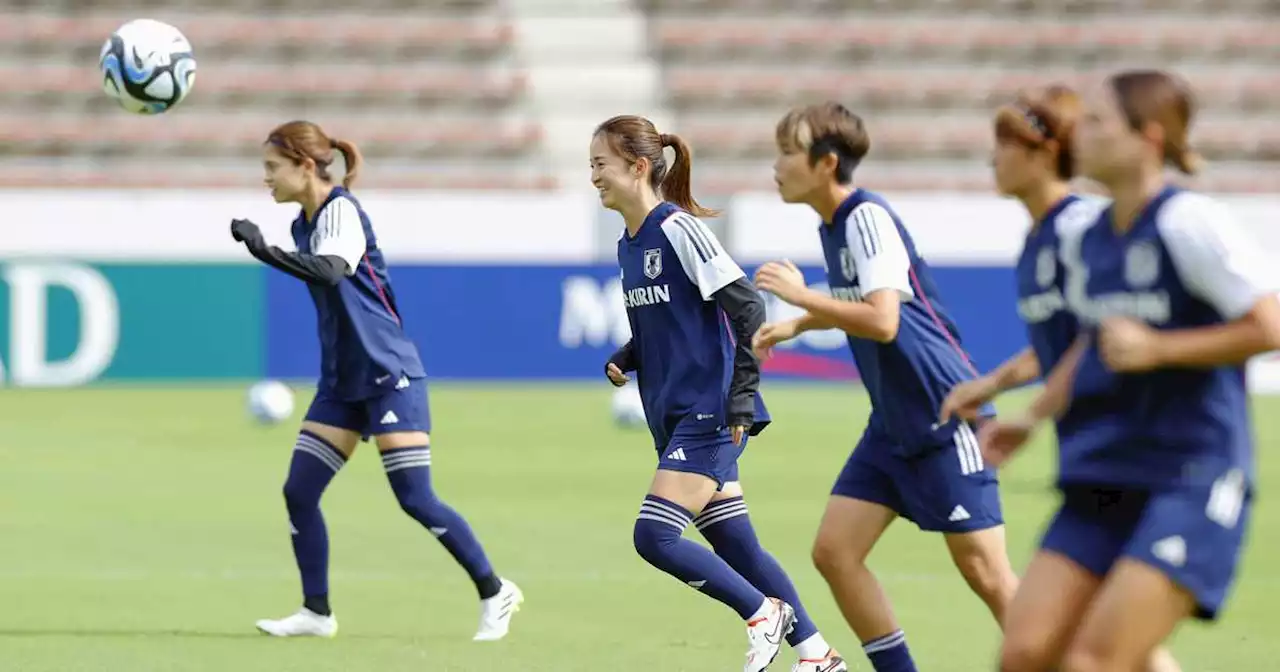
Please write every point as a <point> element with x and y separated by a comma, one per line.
<point>314,464</point>
<point>889,653</point>
<point>657,539</point>
<point>409,471</point>
<point>727,527</point>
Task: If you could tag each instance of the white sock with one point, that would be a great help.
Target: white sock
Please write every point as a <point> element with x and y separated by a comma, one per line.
<point>814,648</point>
<point>763,612</point>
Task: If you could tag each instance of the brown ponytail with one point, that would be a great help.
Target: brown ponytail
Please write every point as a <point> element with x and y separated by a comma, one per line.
<point>633,138</point>
<point>302,140</point>
<point>677,184</point>
<point>351,157</point>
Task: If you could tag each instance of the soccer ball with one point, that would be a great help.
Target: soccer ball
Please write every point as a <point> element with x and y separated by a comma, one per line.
<point>270,402</point>
<point>147,66</point>
<point>628,410</point>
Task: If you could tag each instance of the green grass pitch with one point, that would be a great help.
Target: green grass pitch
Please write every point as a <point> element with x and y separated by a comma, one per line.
<point>143,529</point>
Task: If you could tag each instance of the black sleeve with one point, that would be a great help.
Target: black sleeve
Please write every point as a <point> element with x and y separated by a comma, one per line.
<point>745,309</point>
<point>624,358</point>
<point>320,270</point>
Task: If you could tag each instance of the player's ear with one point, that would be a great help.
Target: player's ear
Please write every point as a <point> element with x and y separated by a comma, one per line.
<point>640,168</point>
<point>828,164</point>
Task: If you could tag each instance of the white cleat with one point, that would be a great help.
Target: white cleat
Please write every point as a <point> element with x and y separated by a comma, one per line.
<point>496,613</point>
<point>766,635</point>
<point>304,623</point>
<point>832,662</point>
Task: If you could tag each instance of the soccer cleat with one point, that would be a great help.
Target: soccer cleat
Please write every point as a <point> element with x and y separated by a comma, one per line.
<point>304,623</point>
<point>832,662</point>
<point>766,635</point>
<point>496,613</point>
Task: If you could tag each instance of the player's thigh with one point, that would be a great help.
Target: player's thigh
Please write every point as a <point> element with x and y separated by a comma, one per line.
<point>982,556</point>
<point>1137,607</point>
<point>1041,621</point>
<point>849,530</point>
<point>689,462</point>
<point>335,421</point>
<point>687,489</point>
<point>729,490</point>
<point>345,440</point>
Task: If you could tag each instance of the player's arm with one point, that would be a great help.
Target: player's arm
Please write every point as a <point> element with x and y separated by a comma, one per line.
<point>745,309</point>
<point>720,279</point>
<point>884,271</point>
<point>1055,396</point>
<point>339,247</point>
<point>624,358</point>
<point>1020,369</point>
<point>1221,266</point>
<point>968,397</point>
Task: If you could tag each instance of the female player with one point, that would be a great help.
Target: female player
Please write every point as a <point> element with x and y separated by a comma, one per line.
<point>692,313</point>
<point>1155,465</point>
<point>1034,163</point>
<point>371,380</point>
<point>909,355</point>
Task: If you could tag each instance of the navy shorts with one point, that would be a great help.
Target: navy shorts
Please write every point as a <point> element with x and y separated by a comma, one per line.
<point>712,455</point>
<point>1194,535</point>
<point>404,409</point>
<point>948,489</point>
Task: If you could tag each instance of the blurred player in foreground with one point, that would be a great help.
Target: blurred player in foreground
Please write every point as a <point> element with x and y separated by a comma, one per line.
<point>1156,461</point>
<point>909,355</point>
<point>371,379</point>
<point>1034,163</point>
<point>692,312</point>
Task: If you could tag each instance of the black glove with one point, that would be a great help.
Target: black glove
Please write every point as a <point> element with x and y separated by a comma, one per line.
<point>245,231</point>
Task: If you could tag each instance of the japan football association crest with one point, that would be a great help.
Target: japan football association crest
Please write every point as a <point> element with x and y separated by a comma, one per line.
<point>1142,265</point>
<point>652,264</point>
<point>846,264</point>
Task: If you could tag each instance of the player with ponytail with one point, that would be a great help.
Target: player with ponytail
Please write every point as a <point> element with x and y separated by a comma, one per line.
<point>1155,446</point>
<point>372,382</point>
<point>1034,163</point>
<point>692,313</point>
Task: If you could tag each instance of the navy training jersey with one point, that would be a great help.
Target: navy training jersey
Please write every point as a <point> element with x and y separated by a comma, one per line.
<point>867,249</point>
<point>1183,264</point>
<point>683,343</point>
<point>1042,305</point>
<point>364,352</point>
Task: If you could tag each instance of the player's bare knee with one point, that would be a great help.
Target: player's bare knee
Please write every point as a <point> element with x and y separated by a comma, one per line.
<point>1024,654</point>
<point>1084,659</point>
<point>832,556</point>
<point>987,576</point>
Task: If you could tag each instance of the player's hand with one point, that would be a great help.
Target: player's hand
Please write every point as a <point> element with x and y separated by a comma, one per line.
<point>738,432</point>
<point>1128,346</point>
<point>616,376</point>
<point>1000,439</point>
<point>771,334</point>
<point>782,279</point>
<point>967,398</point>
<point>243,230</point>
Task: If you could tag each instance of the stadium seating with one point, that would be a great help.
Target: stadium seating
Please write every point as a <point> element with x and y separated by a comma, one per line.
<point>455,109</point>
<point>926,81</point>
<point>449,114</point>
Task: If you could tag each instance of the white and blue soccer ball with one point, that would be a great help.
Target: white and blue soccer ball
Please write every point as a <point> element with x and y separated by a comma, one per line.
<point>628,410</point>
<point>270,402</point>
<point>147,66</point>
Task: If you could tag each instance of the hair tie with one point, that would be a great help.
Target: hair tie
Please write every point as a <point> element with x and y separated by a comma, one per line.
<point>1035,121</point>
